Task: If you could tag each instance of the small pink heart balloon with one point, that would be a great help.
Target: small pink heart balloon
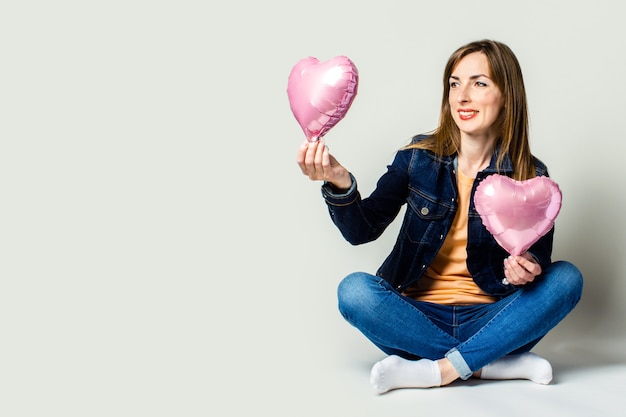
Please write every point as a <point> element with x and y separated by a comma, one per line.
<point>517,213</point>
<point>320,93</point>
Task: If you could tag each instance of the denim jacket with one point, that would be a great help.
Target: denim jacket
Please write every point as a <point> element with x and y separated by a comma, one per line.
<point>427,184</point>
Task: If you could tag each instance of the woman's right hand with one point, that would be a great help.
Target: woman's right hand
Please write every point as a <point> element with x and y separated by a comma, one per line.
<point>318,164</point>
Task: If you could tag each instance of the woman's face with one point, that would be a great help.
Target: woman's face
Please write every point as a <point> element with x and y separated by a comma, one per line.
<point>475,100</point>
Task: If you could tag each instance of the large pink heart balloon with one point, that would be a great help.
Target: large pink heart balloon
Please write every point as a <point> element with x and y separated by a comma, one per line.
<point>320,93</point>
<point>517,213</point>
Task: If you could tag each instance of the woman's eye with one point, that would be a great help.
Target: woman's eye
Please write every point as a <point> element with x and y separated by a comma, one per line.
<point>481,84</point>
<point>454,84</point>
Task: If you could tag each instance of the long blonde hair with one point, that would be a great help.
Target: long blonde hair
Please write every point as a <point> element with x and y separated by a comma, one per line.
<point>507,75</point>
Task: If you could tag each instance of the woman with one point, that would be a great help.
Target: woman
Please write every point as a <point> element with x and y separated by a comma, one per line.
<point>449,302</point>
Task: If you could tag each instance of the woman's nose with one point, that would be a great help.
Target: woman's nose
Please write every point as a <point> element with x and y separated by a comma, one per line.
<point>462,96</point>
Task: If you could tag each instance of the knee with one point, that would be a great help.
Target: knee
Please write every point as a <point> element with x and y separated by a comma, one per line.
<point>352,293</point>
<point>569,278</point>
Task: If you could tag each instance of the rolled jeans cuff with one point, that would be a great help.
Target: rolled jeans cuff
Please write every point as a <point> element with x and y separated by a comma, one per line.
<point>454,356</point>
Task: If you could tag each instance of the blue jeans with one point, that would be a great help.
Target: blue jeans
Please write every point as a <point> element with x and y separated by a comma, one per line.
<point>469,336</point>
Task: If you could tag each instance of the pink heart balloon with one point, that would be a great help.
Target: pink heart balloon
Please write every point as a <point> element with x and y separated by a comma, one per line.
<point>320,93</point>
<point>517,213</point>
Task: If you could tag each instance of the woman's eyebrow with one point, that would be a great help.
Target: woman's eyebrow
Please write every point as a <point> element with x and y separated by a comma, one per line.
<point>472,77</point>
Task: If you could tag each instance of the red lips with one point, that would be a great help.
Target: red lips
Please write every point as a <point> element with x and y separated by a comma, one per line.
<point>466,114</point>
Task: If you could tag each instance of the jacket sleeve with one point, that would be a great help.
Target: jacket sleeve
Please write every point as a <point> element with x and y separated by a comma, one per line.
<point>364,220</point>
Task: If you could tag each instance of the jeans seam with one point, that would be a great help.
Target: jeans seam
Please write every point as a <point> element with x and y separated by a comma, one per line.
<point>516,295</point>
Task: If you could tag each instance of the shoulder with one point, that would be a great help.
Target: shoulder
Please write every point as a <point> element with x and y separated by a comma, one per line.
<point>540,167</point>
<point>417,156</point>
<point>422,138</point>
<point>423,146</point>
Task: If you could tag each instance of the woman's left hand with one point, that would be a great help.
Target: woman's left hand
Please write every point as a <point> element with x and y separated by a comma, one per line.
<point>522,269</point>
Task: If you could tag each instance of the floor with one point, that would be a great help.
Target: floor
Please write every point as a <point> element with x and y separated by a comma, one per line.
<point>285,363</point>
<point>588,381</point>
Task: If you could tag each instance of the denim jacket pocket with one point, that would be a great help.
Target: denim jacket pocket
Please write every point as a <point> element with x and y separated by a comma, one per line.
<point>424,217</point>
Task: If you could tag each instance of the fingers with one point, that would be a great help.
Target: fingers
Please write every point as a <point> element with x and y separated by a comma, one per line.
<point>527,262</point>
<point>513,272</point>
<point>305,158</point>
<point>309,160</point>
<point>314,159</point>
<point>324,160</point>
<point>301,157</point>
<point>520,270</point>
<point>319,157</point>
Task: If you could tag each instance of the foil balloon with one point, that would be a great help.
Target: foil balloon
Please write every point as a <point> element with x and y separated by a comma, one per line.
<point>517,213</point>
<point>320,93</point>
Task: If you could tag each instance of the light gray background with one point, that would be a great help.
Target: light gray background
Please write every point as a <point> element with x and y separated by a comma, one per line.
<point>163,255</point>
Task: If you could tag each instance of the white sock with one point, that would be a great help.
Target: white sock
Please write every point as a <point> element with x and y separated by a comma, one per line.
<point>395,372</point>
<point>521,366</point>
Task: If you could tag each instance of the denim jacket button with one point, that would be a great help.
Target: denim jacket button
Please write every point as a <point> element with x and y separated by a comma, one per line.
<point>424,211</point>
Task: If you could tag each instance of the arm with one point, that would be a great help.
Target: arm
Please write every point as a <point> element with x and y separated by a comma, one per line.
<point>359,220</point>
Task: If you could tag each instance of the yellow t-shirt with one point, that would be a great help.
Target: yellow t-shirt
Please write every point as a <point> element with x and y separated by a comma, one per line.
<point>447,280</point>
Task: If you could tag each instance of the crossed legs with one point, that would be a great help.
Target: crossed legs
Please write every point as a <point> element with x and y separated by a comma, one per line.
<point>431,345</point>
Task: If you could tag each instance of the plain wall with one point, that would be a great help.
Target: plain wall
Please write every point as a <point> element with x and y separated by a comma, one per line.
<point>162,253</point>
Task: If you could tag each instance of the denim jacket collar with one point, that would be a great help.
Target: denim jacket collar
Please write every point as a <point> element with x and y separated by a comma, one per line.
<point>506,168</point>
